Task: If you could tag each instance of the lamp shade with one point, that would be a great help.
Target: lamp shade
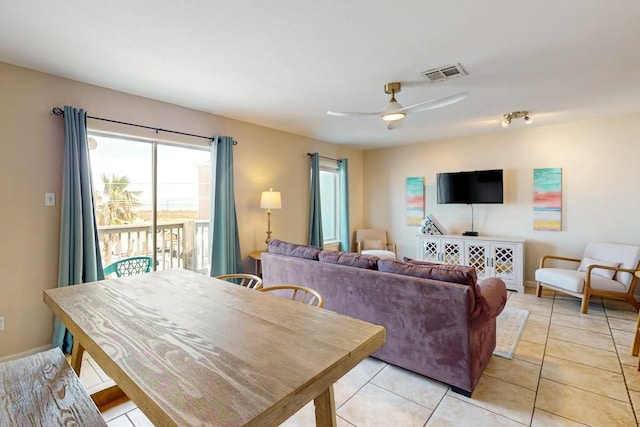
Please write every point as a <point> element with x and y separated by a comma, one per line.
<point>270,200</point>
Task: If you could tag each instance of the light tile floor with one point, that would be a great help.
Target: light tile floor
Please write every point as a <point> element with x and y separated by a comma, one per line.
<point>569,370</point>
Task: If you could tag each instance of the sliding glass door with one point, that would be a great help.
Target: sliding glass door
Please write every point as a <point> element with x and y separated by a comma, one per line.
<point>152,199</point>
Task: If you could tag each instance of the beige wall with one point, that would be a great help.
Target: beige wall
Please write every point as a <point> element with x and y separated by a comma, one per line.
<point>31,141</point>
<point>598,158</point>
<point>600,181</point>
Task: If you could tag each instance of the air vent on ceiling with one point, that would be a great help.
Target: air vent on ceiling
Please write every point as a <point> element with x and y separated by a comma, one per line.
<point>444,73</point>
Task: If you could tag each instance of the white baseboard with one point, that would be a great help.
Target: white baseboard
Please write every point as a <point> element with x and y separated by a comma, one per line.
<point>25,353</point>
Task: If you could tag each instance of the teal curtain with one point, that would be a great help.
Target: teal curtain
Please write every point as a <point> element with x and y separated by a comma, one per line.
<point>225,242</point>
<point>79,260</point>
<point>343,182</point>
<point>315,215</point>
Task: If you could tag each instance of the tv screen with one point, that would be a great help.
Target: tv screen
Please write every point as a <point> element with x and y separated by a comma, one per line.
<point>472,187</point>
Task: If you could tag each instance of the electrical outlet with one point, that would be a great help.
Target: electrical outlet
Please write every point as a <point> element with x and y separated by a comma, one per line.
<point>1,323</point>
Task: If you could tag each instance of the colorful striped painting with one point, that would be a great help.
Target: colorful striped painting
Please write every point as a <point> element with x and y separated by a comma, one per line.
<point>547,199</point>
<point>415,200</point>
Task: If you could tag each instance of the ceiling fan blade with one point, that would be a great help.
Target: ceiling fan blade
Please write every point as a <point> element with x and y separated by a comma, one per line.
<point>435,103</point>
<point>350,114</point>
<point>395,124</point>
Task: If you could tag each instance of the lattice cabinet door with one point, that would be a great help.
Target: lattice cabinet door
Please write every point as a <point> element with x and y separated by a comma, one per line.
<point>490,257</point>
<point>504,261</point>
<point>430,250</point>
<point>452,252</point>
<point>477,255</point>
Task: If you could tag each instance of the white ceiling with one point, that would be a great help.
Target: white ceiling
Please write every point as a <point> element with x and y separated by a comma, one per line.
<point>284,63</point>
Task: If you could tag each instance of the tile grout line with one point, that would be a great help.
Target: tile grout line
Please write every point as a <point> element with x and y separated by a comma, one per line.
<point>470,401</point>
<point>358,390</point>
<point>620,364</point>
<point>544,355</point>
<point>624,375</point>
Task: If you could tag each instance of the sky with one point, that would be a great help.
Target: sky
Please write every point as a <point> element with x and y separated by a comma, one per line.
<point>177,170</point>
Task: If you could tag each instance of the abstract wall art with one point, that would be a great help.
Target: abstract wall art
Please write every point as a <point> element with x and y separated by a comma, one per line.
<point>415,200</point>
<point>547,199</point>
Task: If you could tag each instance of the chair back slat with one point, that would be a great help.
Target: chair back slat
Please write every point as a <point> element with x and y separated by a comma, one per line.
<point>250,281</point>
<point>298,293</point>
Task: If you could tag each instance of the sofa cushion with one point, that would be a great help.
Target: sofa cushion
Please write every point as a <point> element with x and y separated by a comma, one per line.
<point>573,280</point>
<point>279,247</point>
<point>627,255</point>
<point>352,259</point>
<point>418,262</point>
<point>446,273</point>
<point>588,261</point>
<point>379,253</point>
<point>372,244</point>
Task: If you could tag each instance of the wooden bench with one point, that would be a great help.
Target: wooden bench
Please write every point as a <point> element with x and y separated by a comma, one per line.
<point>43,390</point>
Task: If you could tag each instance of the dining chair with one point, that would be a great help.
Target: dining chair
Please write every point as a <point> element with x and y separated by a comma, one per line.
<point>297,293</point>
<point>130,266</point>
<point>250,281</point>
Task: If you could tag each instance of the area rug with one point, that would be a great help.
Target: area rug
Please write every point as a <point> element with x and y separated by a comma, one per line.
<point>510,324</point>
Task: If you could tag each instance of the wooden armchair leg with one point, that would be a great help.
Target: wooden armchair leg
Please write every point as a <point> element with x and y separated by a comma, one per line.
<point>585,303</point>
<point>539,290</point>
<point>636,339</point>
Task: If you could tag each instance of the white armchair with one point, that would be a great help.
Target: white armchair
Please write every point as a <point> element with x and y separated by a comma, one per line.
<point>605,269</point>
<point>372,241</point>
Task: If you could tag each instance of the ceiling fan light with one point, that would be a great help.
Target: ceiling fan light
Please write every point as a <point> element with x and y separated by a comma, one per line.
<point>506,121</point>
<point>393,112</point>
<point>392,117</point>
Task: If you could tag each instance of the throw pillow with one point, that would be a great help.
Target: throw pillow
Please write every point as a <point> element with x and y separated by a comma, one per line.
<point>587,261</point>
<point>352,259</point>
<point>446,273</point>
<point>292,249</point>
<point>372,244</point>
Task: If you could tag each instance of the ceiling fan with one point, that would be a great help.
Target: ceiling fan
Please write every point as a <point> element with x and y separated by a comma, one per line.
<point>394,113</point>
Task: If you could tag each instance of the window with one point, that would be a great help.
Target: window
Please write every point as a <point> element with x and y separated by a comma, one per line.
<point>151,205</point>
<point>330,201</point>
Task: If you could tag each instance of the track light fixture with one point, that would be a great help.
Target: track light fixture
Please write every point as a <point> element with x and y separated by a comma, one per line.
<point>506,118</point>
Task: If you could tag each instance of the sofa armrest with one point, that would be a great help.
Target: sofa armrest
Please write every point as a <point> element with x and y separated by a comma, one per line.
<point>493,297</point>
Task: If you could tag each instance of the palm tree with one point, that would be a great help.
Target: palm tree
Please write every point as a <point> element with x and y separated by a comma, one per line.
<point>115,205</point>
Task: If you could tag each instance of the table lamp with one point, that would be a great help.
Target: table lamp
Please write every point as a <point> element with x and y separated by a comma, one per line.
<point>270,200</point>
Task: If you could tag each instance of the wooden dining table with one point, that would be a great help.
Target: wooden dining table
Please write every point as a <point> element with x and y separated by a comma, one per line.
<point>189,349</point>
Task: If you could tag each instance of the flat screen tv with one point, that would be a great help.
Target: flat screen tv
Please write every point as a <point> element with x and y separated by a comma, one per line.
<point>473,187</point>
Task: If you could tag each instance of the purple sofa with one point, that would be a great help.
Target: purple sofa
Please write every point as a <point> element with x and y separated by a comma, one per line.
<point>443,327</point>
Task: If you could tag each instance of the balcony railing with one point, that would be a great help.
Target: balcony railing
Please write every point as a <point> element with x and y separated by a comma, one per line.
<point>178,245</point>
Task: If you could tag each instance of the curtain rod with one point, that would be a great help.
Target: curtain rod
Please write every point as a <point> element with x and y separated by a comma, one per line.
<point>57,111</point>
<point>324,157</point>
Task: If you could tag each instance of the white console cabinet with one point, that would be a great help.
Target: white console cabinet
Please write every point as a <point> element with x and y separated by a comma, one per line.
<point>490,256</point>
